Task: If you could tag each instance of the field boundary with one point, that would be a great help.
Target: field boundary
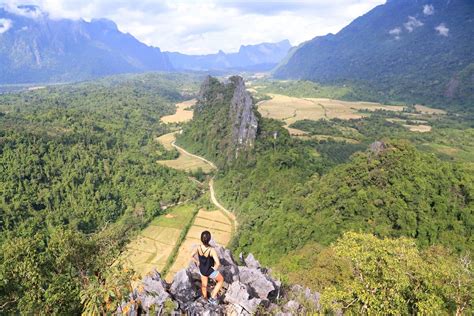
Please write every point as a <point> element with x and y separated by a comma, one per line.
<point>174,253</point>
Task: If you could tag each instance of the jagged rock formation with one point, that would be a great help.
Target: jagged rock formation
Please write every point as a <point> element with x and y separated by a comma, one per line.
<point>245,124</point>
<point>37,48</point>
<point>248,290</point>
<point>225,122</point>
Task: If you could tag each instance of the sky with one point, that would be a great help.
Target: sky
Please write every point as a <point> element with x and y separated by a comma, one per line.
<point>207,26</point>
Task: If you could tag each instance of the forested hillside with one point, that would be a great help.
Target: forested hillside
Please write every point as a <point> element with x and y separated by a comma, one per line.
<point>412,51</point>
<point>78,175</point>
<point>37,48</point>
<point>296,198</point>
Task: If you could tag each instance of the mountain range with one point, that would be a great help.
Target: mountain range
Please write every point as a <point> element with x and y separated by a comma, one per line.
<point>36,48</point>
<point>264,56</point>
<point>420,50</point>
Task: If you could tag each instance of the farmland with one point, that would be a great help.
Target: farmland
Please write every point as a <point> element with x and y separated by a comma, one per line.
<point>292,109</point>
<point>214,221</point>
<point>154,244</point>
<point>185,161</point>
<point>183,113</point>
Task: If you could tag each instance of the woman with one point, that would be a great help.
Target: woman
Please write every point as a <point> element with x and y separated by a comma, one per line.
<point>208,263</point>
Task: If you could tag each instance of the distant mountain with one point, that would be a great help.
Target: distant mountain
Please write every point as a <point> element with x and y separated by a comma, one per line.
<point>36,48</point>
<point>418,50</point>
<point>264,56</point>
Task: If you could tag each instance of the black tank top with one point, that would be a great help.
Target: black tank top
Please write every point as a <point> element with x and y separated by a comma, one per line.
<point>206,263</point>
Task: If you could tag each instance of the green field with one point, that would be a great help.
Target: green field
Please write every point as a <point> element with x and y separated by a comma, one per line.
<point>154,245</point>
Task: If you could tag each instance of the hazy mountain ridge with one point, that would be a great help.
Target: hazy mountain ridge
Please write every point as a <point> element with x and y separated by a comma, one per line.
<point>408,50</point>
<point>262,56</point>
<point>36,48</point>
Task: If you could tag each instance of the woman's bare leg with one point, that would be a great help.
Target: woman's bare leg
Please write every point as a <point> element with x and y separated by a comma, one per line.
<point>204,286</point>
<point>220,282</point>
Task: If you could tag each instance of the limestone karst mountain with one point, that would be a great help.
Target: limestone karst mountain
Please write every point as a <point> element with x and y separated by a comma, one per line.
<point>37,48</point>
<point>418,50</point>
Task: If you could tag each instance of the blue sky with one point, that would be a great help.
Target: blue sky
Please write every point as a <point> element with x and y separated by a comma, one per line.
<point>205,26</point>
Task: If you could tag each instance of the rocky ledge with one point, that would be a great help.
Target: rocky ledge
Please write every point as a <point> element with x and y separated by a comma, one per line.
<point>248,289</point>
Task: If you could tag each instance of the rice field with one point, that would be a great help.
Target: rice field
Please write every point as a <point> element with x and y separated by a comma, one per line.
<point>183,113</point>
<point>292,109</point>
<point>214,221</point>
<point>427,110</point>
<point>152,247</point>
<point>418,128</point>
<point>185,161</point>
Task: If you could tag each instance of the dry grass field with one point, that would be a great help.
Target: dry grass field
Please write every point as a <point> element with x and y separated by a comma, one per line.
<point>291,109</point>
<point>418,128</point>
<point>426,110</point>
<point>152,247</point>
<point>215,222</point>
<point>185,161</point>
<point>183,113</point>
<point>167,140</point>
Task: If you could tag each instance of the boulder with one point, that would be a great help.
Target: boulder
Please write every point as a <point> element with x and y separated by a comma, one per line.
<point>292,307</point>
<point>261,285</point>
<point>239,295</point>
<point>183,289</point>
<point>150,295</point>
<point>201,307</point>
<point>251,262</point>
<point>378,147</point>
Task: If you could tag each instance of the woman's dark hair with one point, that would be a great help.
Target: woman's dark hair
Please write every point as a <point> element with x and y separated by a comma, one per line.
<point>206,238</point>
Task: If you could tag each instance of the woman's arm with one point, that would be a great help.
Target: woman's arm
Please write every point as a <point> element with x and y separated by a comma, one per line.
<point>193,256</point>
<point>217,262</point>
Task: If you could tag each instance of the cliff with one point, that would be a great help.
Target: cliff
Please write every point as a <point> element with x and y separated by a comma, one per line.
<point>225,123</point>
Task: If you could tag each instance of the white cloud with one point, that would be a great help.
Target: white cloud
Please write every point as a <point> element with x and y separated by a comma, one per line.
<point>205,26</point>
<point>442,30</point>
<point>428,9</point>
<point>23,9</point>
<point>395,32</point>
<point>412,24</point>
<point>5,25</point>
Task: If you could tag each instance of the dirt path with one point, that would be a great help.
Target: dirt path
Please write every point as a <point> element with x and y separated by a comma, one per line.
<point>221,222</point>
<point>184,151</point>
<point>228,213</point>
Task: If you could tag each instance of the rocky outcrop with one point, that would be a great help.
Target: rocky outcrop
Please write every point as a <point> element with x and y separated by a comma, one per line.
<point>248,289</point>
<point>242,116</point>
<point>225,118</point>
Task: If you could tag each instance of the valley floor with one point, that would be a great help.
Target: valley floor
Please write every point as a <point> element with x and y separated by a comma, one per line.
<point>161,245</point>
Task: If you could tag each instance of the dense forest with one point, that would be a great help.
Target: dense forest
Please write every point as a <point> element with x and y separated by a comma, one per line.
<point>78,175</point>
<point>296,199</point>
<point>385,215</point>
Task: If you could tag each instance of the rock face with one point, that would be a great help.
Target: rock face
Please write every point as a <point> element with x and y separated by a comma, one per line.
<point>225,122</point>
<point>247,290</point>
<point>245,124</point>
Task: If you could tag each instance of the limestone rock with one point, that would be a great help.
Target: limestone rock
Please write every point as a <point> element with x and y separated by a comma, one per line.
<point>241,113</point>
<point>183,289</point>
<point>261,284</point>
<point>202,307</point>
<point>251,262</point>
<point>239,295</point>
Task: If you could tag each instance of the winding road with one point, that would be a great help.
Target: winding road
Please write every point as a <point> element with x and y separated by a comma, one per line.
<point>214,200</point>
